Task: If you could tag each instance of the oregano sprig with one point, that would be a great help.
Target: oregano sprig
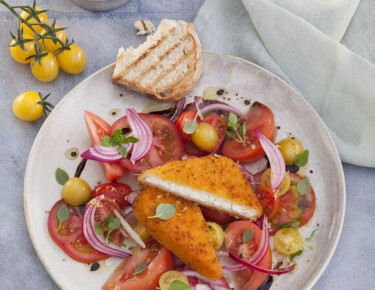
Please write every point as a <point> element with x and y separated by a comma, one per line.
<point>235,130</point>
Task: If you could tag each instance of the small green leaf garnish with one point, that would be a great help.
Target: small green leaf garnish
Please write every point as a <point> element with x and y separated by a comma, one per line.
<point>164,211</point>
<point>296,254</point>
<point>235,130</point>
<point>140,268</point>
<point>99,229</point>
<point>302,158</point>
<point>248,235</point>
<point>106,142</point>
<point>292,224</point>
<point>311,235</point>
<point>122,150</point>
<point>115,225</point>
<point>304,186</point>
<point>190,126</point>
<point>232,119</point>
<point>178,285</point>
<point>61,176</point>
<point>112,224</point>
<point>109,219</point>
<point>62,215</point>
<point>118,139</point>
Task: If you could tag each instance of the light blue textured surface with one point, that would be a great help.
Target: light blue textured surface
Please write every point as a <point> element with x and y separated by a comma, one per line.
<point>101,34</point>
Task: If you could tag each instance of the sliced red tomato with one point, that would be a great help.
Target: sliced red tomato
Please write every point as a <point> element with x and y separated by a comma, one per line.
<point>117,191</point>
<point>192,150</point>
<point>158,260</point>
<point>69,237</point>
<point>259,117</point>
<point>166,146</point>
<point>98,128</point>
<point>216,216</point>
<point>270,203</point>
<point>182,119</point>
<point>247,279</point>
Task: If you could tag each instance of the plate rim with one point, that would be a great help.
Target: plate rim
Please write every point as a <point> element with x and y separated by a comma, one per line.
<point>311,282</point>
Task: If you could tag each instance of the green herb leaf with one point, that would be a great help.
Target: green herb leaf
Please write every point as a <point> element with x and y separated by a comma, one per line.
<point>311,235</point>
<point>233,119</point>
<point>302,158</point>
<point>109,219</point>
<point>304,186</point>
<point>122,150</point>
<point>61,176</point>
<point>190,126</point>
<point>62,213</point>
<point>292,224</point>
<point>229,134</point>
<point>99,229</point>
<point>115,224</point>
<point>243,129</point>
<point>140,268</point>
<point>248,235</point>
<point>106,141</point>
<point>296,254</point>
<point>130,139</point>
<point>178,285</point>
<point>164,211</point>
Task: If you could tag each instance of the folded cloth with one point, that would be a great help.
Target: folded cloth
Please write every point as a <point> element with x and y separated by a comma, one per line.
<point>299,41</point>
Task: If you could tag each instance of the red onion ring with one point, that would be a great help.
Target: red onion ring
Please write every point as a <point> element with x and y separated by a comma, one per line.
<point>276,159</point>
<point>103,156</point>
<point>142,132</point>
<point>132,196</point>
<point>221,107</point>
<point>178,109</point>
<point>248,175</point>
<point>221,282</point>
<point>129,230</point>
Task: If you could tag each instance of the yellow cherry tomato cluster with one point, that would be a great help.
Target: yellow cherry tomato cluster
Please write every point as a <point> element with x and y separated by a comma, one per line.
<point>44,46</point>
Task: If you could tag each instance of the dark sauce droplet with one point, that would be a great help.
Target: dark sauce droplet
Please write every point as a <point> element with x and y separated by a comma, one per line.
<point>278,127</point>
<point>95,266</point>
<point>267,283</point>
<point>220,92</point>
<point>292,168</point>
<point>247,102</point>
<point>125,131</point>
<point>73,154</point>
<point>166,113</point>
<point>80,168</point>
<point>311,171</point>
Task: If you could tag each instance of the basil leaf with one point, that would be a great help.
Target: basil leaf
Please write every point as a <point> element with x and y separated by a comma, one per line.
<point>190,126</point>
<point>106,141</point>
<point>248,235</point>
<point>115,224</point>
<point>123,150</point>
<point>296,254</point>
<point>61,176</point>
<point>164,211</point>
<point>178,285</point>
<point>62,213</point>
<point>109,219</point>
<point>130,139</point>
<point>304,186</point>
<point>292,224</point>
<point>140,268</point>
<point>302,158</point>
<point>99,229</point>
<point>233,119</point>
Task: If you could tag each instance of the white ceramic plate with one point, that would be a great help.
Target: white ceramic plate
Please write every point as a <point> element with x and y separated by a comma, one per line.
<point>65,128</point>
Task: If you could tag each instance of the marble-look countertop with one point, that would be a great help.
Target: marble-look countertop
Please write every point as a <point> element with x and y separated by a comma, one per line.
<point>101,34</point>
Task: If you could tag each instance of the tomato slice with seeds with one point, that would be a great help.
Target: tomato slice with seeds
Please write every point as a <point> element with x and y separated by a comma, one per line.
<point>115,190</point>
<point>166,145</point>
<point>70,237</point>
<point>269,201</point>
<point>259,117</point>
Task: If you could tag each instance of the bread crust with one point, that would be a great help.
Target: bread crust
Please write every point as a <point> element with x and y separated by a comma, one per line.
<point>179,88</point>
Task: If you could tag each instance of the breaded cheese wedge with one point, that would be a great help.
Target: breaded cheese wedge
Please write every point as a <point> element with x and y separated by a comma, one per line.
<point>212,181</point>
<point>184,234</point>
<point>167,66</point>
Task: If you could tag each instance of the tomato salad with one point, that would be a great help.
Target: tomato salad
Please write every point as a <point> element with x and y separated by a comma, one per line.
<point>90,225</point>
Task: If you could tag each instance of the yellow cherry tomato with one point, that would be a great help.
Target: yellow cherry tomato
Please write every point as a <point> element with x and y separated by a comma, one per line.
<point>288,241</point>
<point>216,234</point>
<point>265,181</point>
<point>142,232</point>
<point>205,137</point>
<point>20,55</point>
<point>76,191</point>
<point>49,44</point>
<point>26,106</point>
<point>290,148</point>
<point>72,61</point>
<point>42,17</point>
<point>168,277</point>
<point>47,70</point>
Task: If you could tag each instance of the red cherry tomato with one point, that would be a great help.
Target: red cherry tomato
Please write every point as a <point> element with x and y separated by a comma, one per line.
<point>259,117</point>
<point>184,117</point>
<point>69,237</point>
<point>116,191</point>
<point>158,260</point>
<point>247,279</point>
<point>216,216</point>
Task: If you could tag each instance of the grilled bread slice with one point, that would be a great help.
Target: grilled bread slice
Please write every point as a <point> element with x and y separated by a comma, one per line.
<point>212,181</point>
<point>185,234</point>
<point>167,66</point>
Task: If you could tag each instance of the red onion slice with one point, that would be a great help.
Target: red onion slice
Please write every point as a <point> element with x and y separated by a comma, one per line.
<point>108,155</point>
<point>248,175</point>
<point>132,196</point>
<point>93,238</point>
<point>275,158</point>
<point>221,107</point>
<point>142,132</point>
<point>178,109</point>
<point>221,282</point>
<point>129,230</point>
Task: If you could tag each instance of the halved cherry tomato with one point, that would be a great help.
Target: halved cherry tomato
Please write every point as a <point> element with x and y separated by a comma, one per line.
<point>259,117</point>
<point>216,216</point>
<point>98,128</point>
<point>158,260</point>
<point>116,191</point>
<point>184,117</point>
<point>269,201</point>
<point>220,126</point>
<point>70,237</point>
<point>247,279</point>
<point>166,145</point>
<point>192,150</point>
